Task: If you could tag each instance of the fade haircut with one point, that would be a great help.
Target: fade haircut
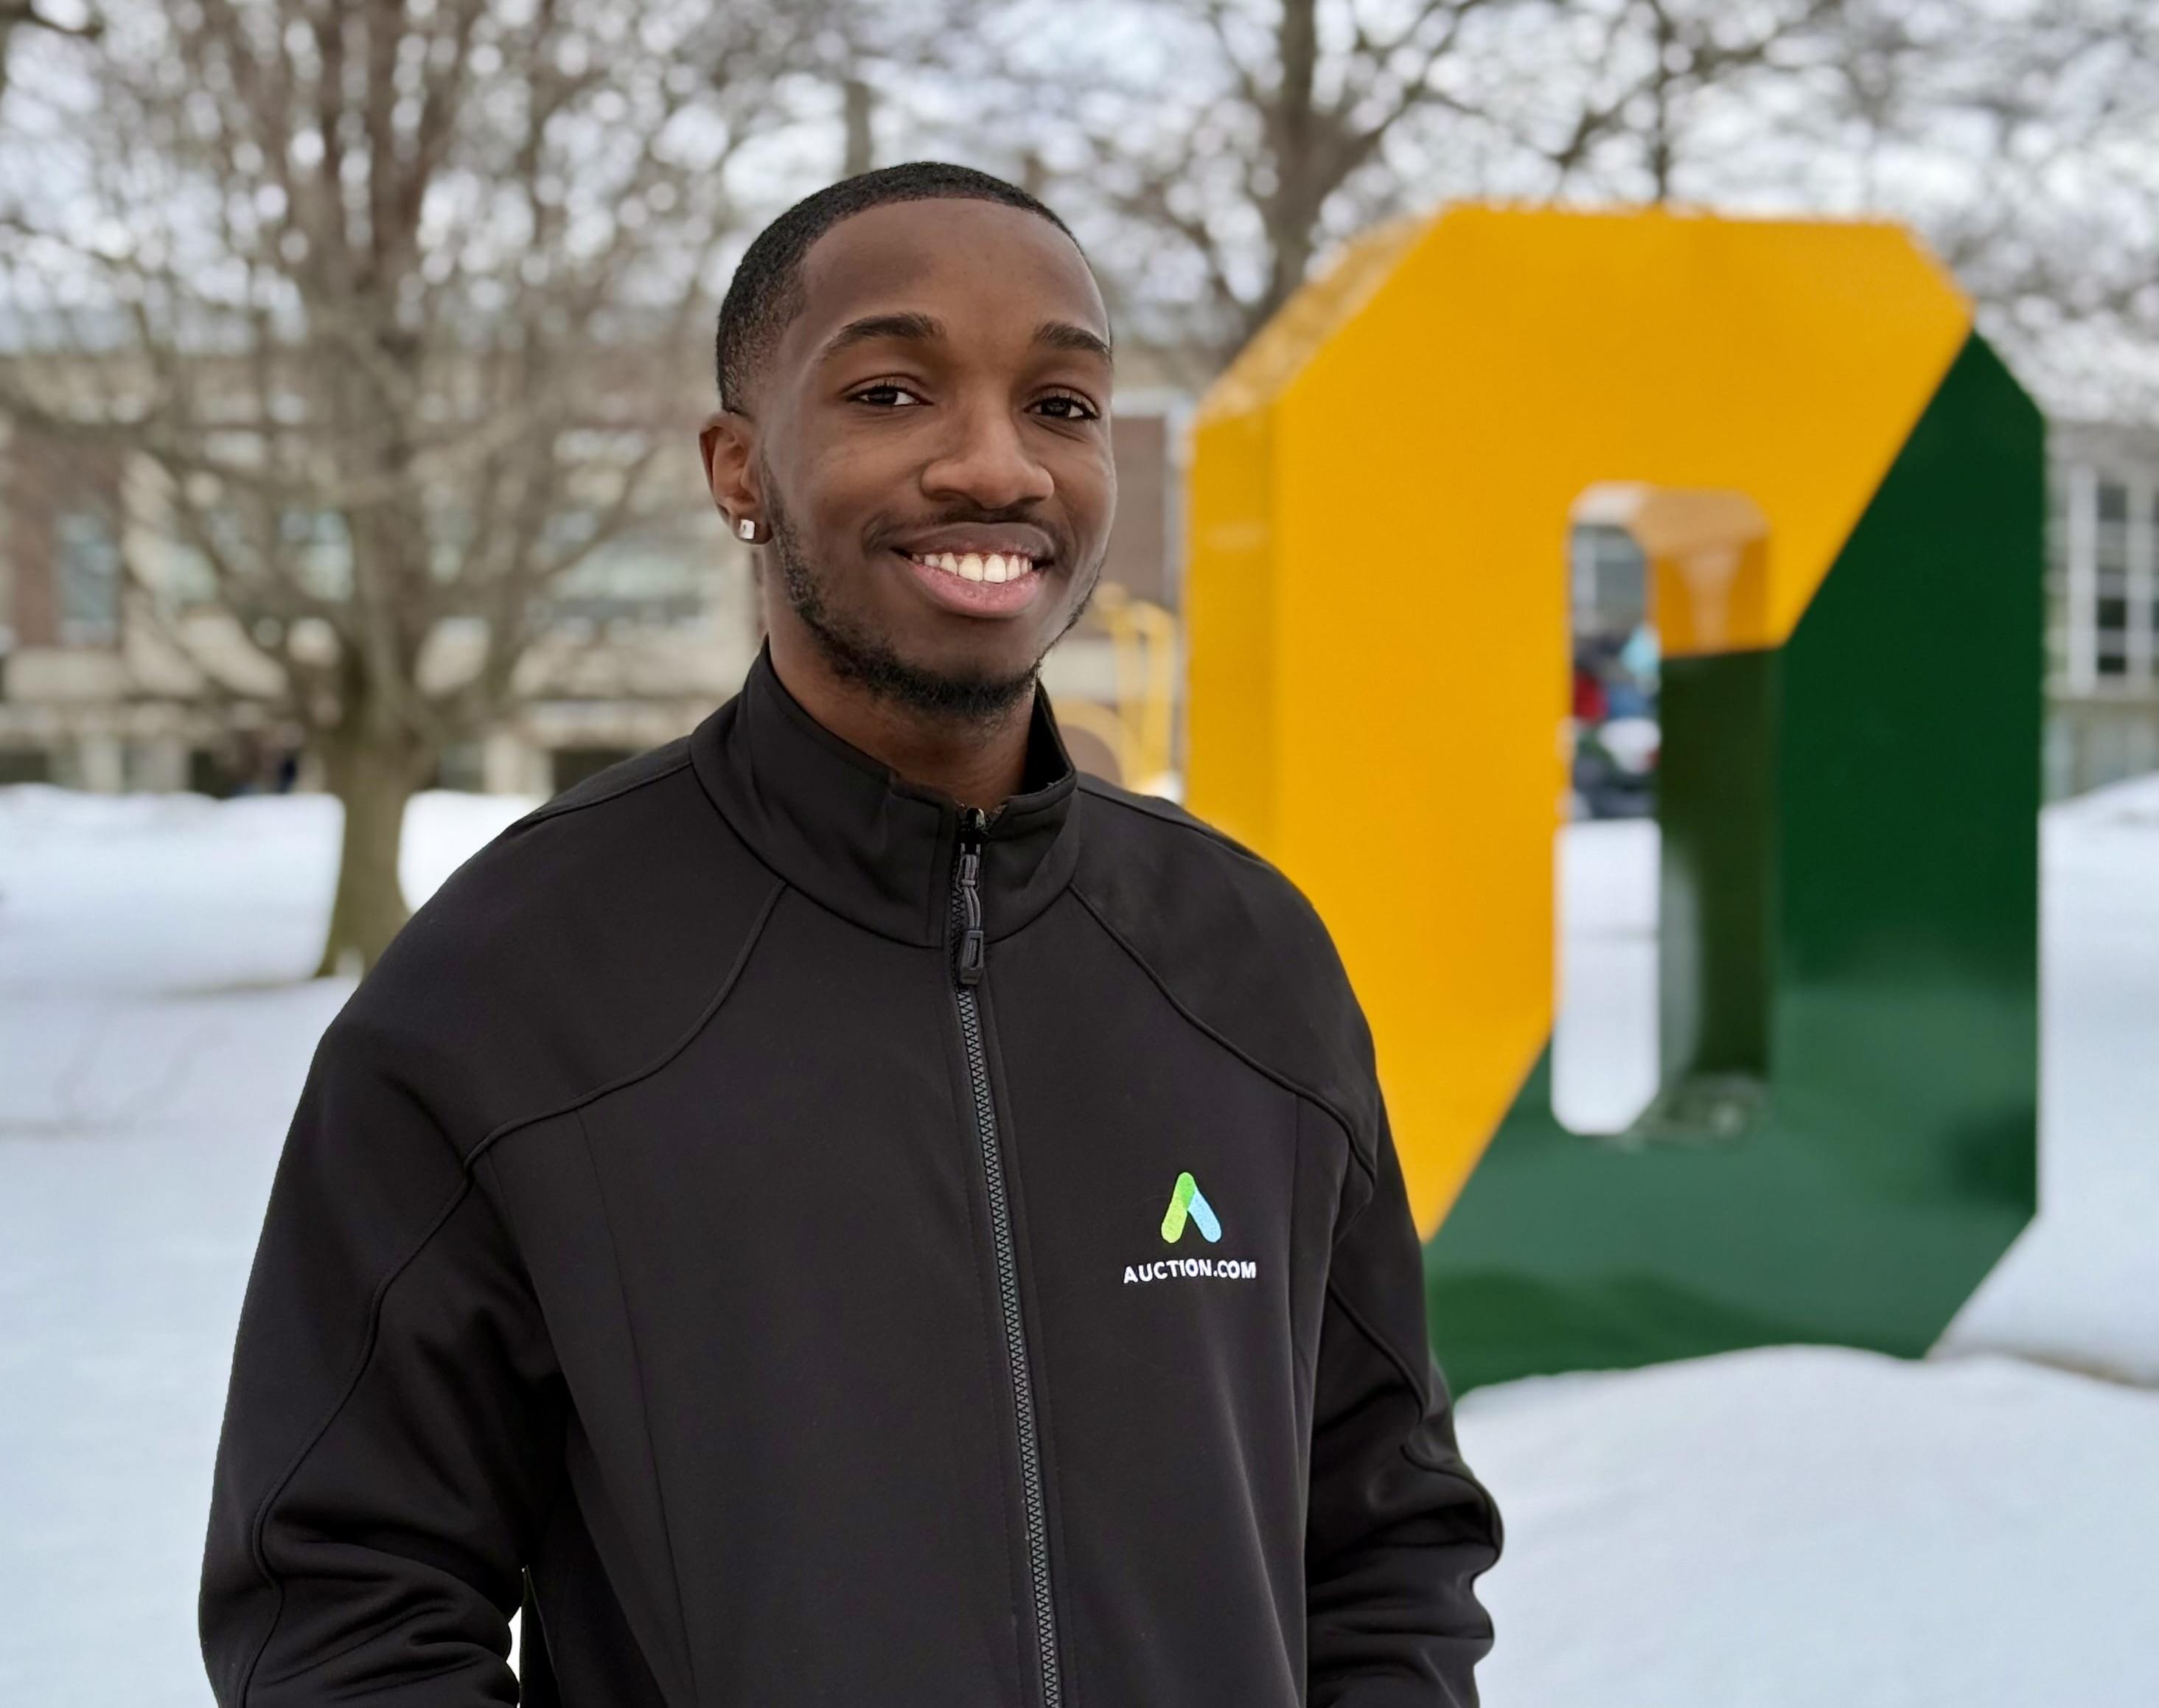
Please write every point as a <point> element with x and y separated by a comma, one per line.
<point>766,291</point>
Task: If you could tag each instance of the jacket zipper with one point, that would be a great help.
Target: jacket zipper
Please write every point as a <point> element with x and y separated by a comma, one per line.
<point>966,975</point>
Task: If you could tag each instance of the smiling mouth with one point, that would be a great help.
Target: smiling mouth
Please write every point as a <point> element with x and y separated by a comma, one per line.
<point>992,567</point>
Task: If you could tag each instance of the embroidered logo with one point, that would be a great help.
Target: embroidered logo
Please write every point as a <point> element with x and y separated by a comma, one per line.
<point>1186,1202</point>
<point>1189,1206</point>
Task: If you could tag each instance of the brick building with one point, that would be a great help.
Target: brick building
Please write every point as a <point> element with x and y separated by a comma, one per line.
<point>645,637</point>
<point>2102,605</point>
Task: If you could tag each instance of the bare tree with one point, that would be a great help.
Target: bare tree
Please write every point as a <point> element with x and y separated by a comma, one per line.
<point>391,297</point>
<point>1219,147</point>
<point>910,77</point>
<point>1232,146</point>
<point>1212,139</point>
<point>29,15</point>
<point>2022,137</point>
<point>1631,103</point>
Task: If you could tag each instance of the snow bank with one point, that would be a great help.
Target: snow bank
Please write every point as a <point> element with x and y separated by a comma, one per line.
<point>2081,1286</point>
<point>1604,1042</point>
<point>2131,804</point>
<point>1798,1526</point>
<point>151,893</point>
<point>137,1136</point>
<point>156,1021</point>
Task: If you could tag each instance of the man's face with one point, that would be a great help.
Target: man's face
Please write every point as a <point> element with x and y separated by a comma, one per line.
<point>929,441</point>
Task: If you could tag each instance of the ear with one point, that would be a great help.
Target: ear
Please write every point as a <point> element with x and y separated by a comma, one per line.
<point>728,445</point>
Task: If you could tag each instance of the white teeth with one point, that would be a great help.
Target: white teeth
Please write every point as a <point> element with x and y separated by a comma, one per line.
<point>989,566</point>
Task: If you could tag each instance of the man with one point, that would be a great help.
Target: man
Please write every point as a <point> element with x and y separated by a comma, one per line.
<point>841,1210</point>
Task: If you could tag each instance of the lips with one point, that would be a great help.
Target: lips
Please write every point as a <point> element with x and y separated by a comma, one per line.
<point>976,583</point>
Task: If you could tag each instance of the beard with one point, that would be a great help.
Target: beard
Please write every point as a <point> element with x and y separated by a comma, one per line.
<point>857,654</point>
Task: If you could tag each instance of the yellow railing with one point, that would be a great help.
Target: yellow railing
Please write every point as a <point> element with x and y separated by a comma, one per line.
<point>1140,730</point>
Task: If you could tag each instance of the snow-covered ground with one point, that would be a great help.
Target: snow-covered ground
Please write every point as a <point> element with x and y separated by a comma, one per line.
<point>155,894</point>
<point>2081,1287</point>
<point>156,1021</point>
<point>1783,1527</point>
<point>1604,1044</point>
<point>1804,1525</point>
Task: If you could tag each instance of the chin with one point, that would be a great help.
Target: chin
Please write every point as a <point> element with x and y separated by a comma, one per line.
<point>975,649</point>
<point>966,684</point>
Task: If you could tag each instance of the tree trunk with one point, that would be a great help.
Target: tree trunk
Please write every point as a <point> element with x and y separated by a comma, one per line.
<point>1290,210</point>
<point>373,777</point>
<point>859,109</point>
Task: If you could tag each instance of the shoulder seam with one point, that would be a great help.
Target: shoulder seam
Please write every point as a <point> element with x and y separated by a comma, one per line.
<point>712,1005</point>
<point>466,1179</point>
<point>1096,789</point>
<point>644,1391</point>
<point>1420,1386</point>
<point>1379,1341</point>
<point>558,809</point>
<point>257,1530</point>
<point>1349,1127</point>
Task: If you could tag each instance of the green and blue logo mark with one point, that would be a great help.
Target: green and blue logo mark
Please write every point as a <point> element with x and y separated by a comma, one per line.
<point>1186,1202</point>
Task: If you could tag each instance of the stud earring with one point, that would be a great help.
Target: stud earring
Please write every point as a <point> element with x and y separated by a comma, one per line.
<point>747,529</point>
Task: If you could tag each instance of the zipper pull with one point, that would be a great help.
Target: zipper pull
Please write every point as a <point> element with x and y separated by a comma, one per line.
<point>974,828</point>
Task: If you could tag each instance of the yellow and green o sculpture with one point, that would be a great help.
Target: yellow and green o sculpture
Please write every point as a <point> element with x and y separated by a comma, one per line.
<point>1840,488</point>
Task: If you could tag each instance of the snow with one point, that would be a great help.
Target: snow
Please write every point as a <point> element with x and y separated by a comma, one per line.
<point>136,1146</point>
<point>1780,1527</point>
<point>1808,1525</point>
<point>149,892</point>
<point>1604,1042</point>
<point>2081,1286</point>
<point>153,1041</point>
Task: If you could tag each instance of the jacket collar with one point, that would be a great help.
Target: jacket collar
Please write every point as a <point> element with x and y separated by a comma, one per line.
<point>850,833</point>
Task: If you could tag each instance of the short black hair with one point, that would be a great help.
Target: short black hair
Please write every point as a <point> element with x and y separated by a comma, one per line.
<point>766,292</point>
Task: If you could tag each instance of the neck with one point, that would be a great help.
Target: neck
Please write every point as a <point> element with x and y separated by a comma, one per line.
<point>978,764</point>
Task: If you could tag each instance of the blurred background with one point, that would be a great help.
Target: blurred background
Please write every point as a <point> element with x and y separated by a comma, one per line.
<point>350,361</point>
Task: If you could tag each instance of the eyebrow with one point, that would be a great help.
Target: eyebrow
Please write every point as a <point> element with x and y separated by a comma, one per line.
<point>919,329</point>
<point>927,328</point>
<point>1063,335</point>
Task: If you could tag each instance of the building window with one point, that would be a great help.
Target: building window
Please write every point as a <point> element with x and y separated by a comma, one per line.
<point>463,766</point>
<point>2060,608</point>
<point>1610,581</point>
<point>2102,579</point>
<point>647,578</point>
<point>2102,611</point>
<point>573,765</point>
<point>2144,586</point>
<point>87,573</point>
<point>321,548</point>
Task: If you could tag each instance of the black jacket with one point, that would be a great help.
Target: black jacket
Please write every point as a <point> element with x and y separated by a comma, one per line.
<point>697,1230</point>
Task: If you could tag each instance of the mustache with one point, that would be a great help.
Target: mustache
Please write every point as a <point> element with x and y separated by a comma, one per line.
<point>892,531</point>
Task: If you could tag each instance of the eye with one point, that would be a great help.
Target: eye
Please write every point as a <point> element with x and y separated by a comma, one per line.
<point>1067,406</point>
<point>886,394</point>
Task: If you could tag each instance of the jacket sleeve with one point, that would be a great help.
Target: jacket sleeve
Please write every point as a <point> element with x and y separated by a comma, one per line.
<point>1397,1530</point>
<point>393,1423</point>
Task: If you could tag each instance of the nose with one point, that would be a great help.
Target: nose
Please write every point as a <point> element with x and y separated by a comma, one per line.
<point>986,460</point>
